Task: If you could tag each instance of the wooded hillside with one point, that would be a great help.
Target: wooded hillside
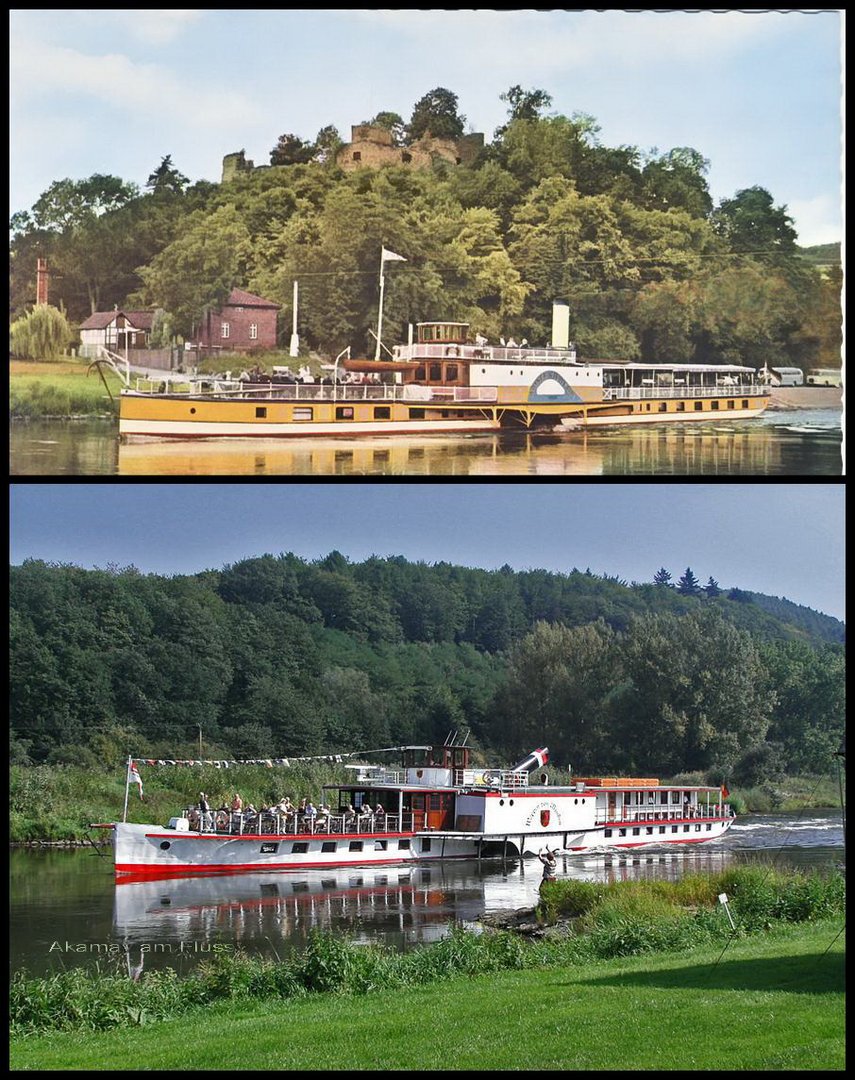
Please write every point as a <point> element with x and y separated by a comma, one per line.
<point>279,656</point>
<point>630,238</point>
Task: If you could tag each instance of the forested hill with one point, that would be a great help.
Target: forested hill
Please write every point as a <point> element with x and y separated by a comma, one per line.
<point>279,655</point>
<point>652,268</point>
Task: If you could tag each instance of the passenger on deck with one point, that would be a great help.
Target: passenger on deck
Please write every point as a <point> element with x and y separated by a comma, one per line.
<point>349,817</point>
<point>309,814</point>
<point>322,821</point>
<point>205,811</point>
<point>379,816</point>
<point>237,803</point>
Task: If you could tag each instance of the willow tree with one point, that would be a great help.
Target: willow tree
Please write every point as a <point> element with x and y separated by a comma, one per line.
<point>42,334</point>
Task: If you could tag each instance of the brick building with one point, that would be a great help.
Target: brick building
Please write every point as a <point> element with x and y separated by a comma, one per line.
<point>244,323</point>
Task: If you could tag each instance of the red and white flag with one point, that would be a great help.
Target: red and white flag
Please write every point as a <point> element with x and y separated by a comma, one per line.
<point>135,776</point>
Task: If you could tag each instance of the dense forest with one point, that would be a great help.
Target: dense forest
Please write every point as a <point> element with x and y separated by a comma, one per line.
<point>277,655</point>
<point>631,238</point>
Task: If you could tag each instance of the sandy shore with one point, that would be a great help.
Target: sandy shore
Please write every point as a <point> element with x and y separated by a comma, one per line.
<point>806,397</point>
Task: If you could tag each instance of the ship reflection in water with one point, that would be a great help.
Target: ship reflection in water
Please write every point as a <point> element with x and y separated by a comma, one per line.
<point>179,920</point>
<point>750,448</point>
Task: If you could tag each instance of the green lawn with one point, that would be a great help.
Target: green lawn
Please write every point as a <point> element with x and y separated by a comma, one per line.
<point>63,388</point>
<point>773,1002</point>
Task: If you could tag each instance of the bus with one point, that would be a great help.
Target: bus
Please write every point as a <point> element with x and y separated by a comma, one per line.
<point>824,377</point>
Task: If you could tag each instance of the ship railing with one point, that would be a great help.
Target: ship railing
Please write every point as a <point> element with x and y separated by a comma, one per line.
<point>500,779</point>
<point>272,823</point>
<point>343,393</point>
<point>687,812</point>
<point>487,353</point>
<point>639,393</point>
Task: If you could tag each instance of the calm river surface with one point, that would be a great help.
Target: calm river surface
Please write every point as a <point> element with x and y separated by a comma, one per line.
<point>804,442</point>
<point>65,909</point>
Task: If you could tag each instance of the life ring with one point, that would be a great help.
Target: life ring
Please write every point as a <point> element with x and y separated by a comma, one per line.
<point>452,350</point>
<point>491,778</point>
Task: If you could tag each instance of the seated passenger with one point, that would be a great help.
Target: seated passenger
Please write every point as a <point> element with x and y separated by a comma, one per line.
<point>349,817</point>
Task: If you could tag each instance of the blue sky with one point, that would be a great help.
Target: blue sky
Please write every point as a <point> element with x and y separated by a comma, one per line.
<point>757,93</point>
<point>781,539</point>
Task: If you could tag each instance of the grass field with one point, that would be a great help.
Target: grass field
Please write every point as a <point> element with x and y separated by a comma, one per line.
<point>770,1002</point>
<point>59,388</point>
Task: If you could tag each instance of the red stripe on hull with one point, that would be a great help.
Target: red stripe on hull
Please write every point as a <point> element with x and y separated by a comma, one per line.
<point>147,871</point>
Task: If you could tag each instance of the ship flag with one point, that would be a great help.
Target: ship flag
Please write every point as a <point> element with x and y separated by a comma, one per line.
<point>390,256</point>
<point>135,776</point>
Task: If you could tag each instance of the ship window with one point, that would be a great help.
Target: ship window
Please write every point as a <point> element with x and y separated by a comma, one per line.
<point>714,405</point>
<point>699,406</point>
<point>426,845</point>
<point>420,373</point>
<point>382,412</point>
<point>269,849</point>
<point>451,372</point>
<point>165,846</point>
<point>675,796</point>
<point>674,828</point>
<point>261,411</point>
<point>192,411</point>
<point>697,828</point>
<point>681,406</point>
<point>663,406</point>
<point>731,404</point>
<point>344,412</point>
<point>661,828</point>
<point>607,832</point>
<point>404,844</point>
<point>381,845</point>
<point>355,845</point>
<point>434,802</point>
<point>436,372</point>
<point>649,830</point>
<point>685,828</point>
<point>417,414</point>
<point>302,414</point>
<point>621,832</point>
<point>744,404</point>
<point>635,832</point>
<point>328,845</point>
<point>300,847</point>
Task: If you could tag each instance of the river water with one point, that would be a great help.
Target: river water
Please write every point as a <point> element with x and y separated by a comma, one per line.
<point>803,442</point>
<point>66,910</point>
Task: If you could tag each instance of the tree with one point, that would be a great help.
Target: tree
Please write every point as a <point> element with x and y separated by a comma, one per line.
<point>71,204</point>
<point>688,584</point>
<point>436,113</point>
<point>199,268</point>
<point>43,334</point>
<point>523,105</point>
<point>662,577</point>
<point>750,223</point>
<point>327,144</point>
<point>291,150</point>
<point>166,178</point>
<point>712,589</point>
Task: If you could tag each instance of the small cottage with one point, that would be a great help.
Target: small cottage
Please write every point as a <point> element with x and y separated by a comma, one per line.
<point>115,330</point>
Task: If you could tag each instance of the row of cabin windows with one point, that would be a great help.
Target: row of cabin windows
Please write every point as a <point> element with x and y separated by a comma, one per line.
<point>345,412</point>
<point>301,847</point>
<point>699,406</point>
<point>651,829</point>
<point>225,330</point>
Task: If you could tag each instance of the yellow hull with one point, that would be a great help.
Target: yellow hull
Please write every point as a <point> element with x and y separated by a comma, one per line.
<point>152,416</point>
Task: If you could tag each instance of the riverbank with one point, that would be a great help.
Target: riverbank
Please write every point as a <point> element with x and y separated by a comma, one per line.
<point>772,1001</point>
<point>61,389</point>
<point>806,397</point>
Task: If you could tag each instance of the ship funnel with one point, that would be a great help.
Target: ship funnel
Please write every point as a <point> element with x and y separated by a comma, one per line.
<point>560,324</point>
<point>536,759</point>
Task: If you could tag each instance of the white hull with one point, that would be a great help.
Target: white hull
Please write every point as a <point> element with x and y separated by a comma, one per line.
<point>146,850</point>
<point>570,423</point>
<point>171,429</point>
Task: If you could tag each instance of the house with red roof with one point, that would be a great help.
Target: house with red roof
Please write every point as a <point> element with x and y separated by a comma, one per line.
<point>116,330</point>
<point>244,323</point>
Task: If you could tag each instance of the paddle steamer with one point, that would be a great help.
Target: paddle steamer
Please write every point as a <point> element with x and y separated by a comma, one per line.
<point>436,806</point>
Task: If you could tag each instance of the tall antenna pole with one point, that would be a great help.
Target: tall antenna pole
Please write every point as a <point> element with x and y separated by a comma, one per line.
<point>295,340</point>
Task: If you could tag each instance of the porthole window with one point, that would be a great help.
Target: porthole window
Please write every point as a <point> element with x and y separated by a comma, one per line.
<point>165,846</point>
<point>192,411</point>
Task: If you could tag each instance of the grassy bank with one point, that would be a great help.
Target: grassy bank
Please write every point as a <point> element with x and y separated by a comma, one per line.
<point>771,1001</point>
<point>43,389</point>
<point>53,803</point>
